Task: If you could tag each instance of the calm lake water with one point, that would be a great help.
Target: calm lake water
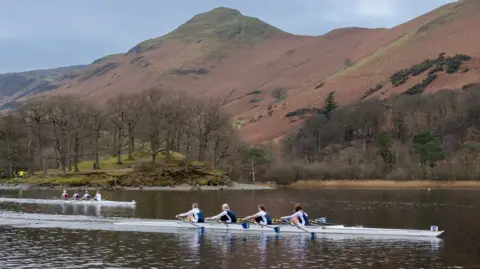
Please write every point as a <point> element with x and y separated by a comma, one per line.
<point>455,211</point>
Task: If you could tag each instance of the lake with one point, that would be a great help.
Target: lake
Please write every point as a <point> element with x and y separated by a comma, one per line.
<point>87,245</point>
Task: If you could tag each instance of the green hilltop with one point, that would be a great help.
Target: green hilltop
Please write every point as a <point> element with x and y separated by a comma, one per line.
<point>222,25</point>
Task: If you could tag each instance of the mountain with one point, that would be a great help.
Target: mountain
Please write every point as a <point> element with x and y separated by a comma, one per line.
<point>14,86</point>
<point>223,53</point>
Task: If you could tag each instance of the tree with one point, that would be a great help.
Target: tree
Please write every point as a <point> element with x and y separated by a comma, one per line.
<point>117,117</point>
<point>384,143</point>
<point>348,62</point>
<point>12,143</point>
<point>152,124</point>
<point>60,113</point>
<point>427,146</point>
<point>133,113</point>
<point>34,115</point>
<point>208,117</point>
<point>329,105</point>
<point>279,93</point>
<point>255,157</point>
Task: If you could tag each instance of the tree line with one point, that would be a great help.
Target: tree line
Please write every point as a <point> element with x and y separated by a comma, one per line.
<point>60,132</point>
<point>433,136</point>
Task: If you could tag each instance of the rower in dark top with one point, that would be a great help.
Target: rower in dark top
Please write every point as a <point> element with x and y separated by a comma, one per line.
<point>76,196</point>
<point>300,218</point>
<point>64,195</point>
<point>194,215</point>
<point>86,196</point>
<point>261,217</point>
<point>227,215</point>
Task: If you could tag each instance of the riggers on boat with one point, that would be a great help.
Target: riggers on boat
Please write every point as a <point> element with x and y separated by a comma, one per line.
<point>287,229</point>
<point>73,202</point>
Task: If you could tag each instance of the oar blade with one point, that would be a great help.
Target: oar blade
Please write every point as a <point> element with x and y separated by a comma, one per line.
<point>276,229</point>
<point>202,229</point>
<point>245,225</point>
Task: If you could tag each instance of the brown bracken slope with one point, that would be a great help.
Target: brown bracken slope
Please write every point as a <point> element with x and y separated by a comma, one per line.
<point>222,53</point>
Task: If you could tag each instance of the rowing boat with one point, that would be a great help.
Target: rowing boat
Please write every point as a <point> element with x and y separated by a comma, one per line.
<point>287,229</point>
<point>73,202</point>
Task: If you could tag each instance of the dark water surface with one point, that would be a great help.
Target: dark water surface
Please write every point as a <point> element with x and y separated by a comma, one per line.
<point>455,211</point>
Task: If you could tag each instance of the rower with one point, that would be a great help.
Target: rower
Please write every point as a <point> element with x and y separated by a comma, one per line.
<point>227,215</point>
<point>76,196</point>
<point>300,218</point>
<point>194,215</point>
<point>64,195</point>
<point>86,196</point>
<point>261,217</point>
<point>98,197</point>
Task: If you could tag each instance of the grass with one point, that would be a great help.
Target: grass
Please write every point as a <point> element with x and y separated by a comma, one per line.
<point>111,173</point>
<point>220,24</point>
<point>384,184</point>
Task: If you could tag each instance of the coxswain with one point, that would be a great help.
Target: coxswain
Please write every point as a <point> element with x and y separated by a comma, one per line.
<point>76,196</point>
<point>64,195</point>
<point>261,217</point>
<point>86,196</point>
<point>194,215</point>
<point>226,215</point>
<point>299,218</point>
<point>98,197</point>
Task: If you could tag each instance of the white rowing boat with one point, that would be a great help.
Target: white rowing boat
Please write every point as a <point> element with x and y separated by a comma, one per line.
<point>288,229</point>
<point>73,202</point>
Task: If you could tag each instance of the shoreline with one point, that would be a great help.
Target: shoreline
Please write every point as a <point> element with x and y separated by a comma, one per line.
<point>385,184</point>
<point>182,187</point>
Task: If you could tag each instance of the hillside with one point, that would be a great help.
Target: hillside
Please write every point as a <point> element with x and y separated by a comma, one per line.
<point>14,86</point>
<point>223,53</point>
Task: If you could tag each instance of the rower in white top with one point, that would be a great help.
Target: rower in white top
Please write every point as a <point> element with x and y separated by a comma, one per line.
<point>64,195</point>
<point>76,196</point>
<point>226,215</point>
<point>194,215</point>
<point>98,197</point>
<point>86,196</point>
<point>261,217</point>
<point>299,218</point>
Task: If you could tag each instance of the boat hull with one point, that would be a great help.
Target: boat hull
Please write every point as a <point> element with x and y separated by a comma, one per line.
<point>287,229</point>
<point>72,202</point>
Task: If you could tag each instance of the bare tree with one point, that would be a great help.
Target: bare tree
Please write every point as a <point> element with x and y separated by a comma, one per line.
<point>133,112</point>
<point>60,112</point>
<point>12,140</point>
<point>117,116</point>
<point>279,93</point>
<point>208,118</point>
<point>34,115</point>
<point>152,124</point>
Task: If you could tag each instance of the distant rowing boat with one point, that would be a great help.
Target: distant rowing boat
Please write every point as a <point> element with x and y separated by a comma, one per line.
<point>75,202</point>
<point>289,229</point>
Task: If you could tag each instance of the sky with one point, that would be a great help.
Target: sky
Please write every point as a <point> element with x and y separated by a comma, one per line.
<point>52,33</point>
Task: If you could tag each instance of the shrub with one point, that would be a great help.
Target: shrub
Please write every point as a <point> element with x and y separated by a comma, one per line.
<point>416,89</point>
<point>254,92</point>
<point>436,70</point>
<point>371,91</point>
<point>400,77</point>
<point>420,68</point>
<point>429,80</point>
<point>303,111</point>
<point>255,100</point>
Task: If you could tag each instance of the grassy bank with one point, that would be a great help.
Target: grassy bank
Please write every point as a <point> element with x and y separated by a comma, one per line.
<point>134,172</point>
<point>384,184</point>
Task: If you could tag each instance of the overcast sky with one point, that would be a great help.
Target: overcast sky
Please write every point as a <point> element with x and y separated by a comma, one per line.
<point>51,33</point>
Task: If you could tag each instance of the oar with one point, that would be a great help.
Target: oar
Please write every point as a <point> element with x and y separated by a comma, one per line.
<point>202,229</point>
<point>276,229</point>
<point>303,229</point>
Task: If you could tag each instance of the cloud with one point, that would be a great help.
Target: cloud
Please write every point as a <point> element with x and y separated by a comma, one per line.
<point>375,8</point>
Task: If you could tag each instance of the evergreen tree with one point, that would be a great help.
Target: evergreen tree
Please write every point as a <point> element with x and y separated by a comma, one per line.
<point>330,105</point>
